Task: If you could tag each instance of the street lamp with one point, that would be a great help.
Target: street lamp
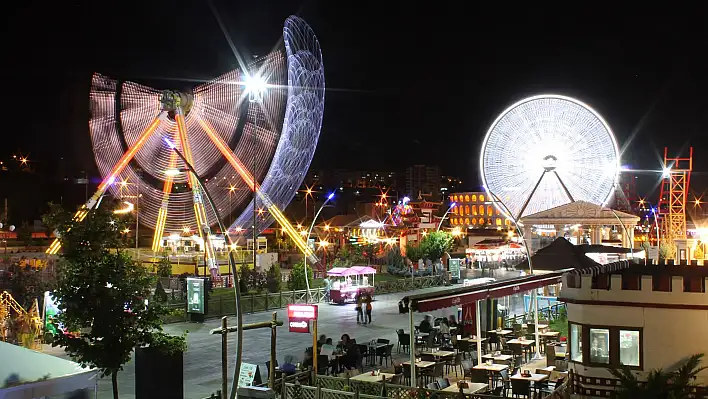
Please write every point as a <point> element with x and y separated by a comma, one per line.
<point>232,261</point>
<point>452,205</point>
<point>307,239</point>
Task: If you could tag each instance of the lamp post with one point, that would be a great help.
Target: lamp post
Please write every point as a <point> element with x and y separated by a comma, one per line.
<point>232,263</point>
<point>452,205</point>
<point>534,296</point>
<point>309,232</point>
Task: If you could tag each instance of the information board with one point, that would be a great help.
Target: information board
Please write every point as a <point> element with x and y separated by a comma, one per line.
<point>454,266</point>
<point>195,295</point>
<point>247,375</point>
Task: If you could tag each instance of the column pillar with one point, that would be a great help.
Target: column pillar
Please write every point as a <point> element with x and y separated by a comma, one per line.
<point>630,231</point>
<point>559,230</point>
<point>596,234</point>
<point>528,235</point>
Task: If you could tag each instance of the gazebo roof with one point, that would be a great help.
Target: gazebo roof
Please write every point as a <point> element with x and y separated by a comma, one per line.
<point>559,255</point>
<point>580,212</point>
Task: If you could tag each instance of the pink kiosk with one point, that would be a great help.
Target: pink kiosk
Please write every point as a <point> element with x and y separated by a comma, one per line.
<point>350,281</point>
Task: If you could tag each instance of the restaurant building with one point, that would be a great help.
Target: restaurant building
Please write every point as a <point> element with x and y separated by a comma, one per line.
<point>644,316</point>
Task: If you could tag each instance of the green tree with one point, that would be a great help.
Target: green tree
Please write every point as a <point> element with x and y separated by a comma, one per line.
<point>414,251</point>
<point>297,277</point>
<point>659,384</point>
<point>698,253</point>
<point>24,234</point>
<point>164,266</point>
<point>435,244</point>
<point>26,284</point>
<point>102,293</point>
<point>394,258</point>
<point>667,250</point>
<point>274,278</point>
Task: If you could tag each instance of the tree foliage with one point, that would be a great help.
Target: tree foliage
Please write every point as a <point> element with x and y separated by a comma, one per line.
<point>659,384</point>
<point>667,250</point>
<point>297,277</point>
<point>274,278</point>
<point>102,293</point>
<point>26,284</point>
<point>435,244</point>
<point>164,266</point>
<point>414,251</point>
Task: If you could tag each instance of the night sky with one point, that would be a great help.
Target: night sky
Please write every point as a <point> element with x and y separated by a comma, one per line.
<point>408,82</point>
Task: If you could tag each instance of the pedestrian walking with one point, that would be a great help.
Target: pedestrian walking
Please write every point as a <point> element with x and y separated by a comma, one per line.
<point>368,308</point>
<point>359,313</point>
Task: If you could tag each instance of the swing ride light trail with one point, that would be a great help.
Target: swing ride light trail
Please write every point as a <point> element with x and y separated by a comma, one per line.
<point>109,179</point>
<point>248,179</point>
<point>162,213</point>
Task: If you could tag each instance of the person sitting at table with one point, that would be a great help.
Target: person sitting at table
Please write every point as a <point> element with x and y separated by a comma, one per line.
<point>444,328</point>
<point>351,358</point>
<point>321,340</point>
<point>426,326</point>
<point>288,366</point>
<point>307,363</point>
<point>452,321</point>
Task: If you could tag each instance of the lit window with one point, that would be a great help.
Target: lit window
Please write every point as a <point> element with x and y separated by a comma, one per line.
<point>453,220</point>
<point>474,222</point>
<point>498,213</point>
<point>481,210</point>
<point>490,212</point>
<point>576,343</point>
<point>508,222</point>
<point>600,345</point>
<point>481,221</point>
<point>467,198</point>
<point>474,198</point>
<point>629,347</point>
<point>454,210</point>
<point>474,210</point>
<point>498,222</point>
<point>467,221</point>
<point>481,198</point>
<point>454,198</point>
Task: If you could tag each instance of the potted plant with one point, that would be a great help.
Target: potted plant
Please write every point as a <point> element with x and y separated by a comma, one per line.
<point>159,368</point>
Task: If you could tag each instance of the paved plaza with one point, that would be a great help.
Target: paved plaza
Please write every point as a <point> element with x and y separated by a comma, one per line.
<point>202,361</point>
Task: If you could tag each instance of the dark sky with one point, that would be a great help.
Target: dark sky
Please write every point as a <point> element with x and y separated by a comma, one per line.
<point>408,82</point>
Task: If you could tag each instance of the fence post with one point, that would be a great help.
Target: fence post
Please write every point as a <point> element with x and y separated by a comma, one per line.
<point>266,299</point>
<point>252,303</point>
<point>280,303</point>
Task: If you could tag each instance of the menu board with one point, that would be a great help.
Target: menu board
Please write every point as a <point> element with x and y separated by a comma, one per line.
<point>454,266</point>
<point>247,375</point>
<point>195,295</point>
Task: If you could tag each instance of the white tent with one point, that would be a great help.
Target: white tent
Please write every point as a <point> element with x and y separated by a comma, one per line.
<point>39,374</point>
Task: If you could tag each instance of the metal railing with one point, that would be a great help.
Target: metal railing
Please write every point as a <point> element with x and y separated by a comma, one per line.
<point>548,313</point>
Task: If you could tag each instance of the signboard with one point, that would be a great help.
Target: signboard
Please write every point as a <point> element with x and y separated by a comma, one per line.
<point>299,317</point>
<point>195,295</point>
<point>653,252</point>
<point>454,267</point>
<point>248,375</point>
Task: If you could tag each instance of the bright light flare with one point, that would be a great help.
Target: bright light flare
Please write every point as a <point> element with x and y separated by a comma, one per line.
<point>129,207</point>
<point>172,172</point>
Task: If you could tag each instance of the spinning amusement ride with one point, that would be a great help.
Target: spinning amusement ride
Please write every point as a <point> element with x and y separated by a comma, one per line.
<point>254,129</point>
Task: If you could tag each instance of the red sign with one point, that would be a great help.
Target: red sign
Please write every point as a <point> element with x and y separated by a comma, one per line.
<point>307,312</point>
<point>299,317</point>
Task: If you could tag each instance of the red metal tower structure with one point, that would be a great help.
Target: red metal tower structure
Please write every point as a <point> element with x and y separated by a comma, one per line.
<point>673,196</point>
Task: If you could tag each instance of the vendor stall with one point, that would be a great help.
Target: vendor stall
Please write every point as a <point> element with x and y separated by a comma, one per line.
<point>350,282</point>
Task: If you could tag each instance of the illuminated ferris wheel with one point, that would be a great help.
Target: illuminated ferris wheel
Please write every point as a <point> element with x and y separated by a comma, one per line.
<point>546,151</point>
<point>251,130</point>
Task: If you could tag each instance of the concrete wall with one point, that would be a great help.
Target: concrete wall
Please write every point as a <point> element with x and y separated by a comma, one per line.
<point>669,334</point>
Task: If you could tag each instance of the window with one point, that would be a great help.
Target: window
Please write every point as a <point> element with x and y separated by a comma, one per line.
<point>490,212</point>
<point>467,221</point>
<point>481,198</point>
<point>474,198</point>
<point>474,210</point>
<point>600,345</point>
<point>498,222</point>
<point>467,198</point>
<point>467,210</point>
<point>576,343</point>
<point>629,347</point>
<point>481,221</point>
<point>481,210</point>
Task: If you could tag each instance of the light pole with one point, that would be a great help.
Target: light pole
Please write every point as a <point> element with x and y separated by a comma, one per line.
<point>232,264</point>
<point>307,243</point>
<point>256,87</point>
<point>452,205</point>
<point>534,294</point>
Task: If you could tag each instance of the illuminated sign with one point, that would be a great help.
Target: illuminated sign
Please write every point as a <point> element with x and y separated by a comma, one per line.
<point>299,317</point>
<point>195,295</point>
<point>307,312</point>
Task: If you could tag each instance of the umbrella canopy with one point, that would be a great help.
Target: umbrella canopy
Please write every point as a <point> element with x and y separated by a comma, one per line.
<point>362,270</point>
<point>337,271</point>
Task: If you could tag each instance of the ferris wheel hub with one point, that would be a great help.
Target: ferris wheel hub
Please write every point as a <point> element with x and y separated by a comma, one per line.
<point>549,163</point>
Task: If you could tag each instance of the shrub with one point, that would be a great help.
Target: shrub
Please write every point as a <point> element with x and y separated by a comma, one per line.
<point>164,267</point>
<point>297,277</point>
<point>273,278</point>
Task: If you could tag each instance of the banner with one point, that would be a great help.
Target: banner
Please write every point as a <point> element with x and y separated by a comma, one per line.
<point>299,317</point>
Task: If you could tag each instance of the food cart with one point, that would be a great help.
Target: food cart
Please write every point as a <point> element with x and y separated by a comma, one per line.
<point>349,282</point>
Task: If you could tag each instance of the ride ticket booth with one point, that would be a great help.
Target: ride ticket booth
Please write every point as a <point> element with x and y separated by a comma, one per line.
<point>350,282</point>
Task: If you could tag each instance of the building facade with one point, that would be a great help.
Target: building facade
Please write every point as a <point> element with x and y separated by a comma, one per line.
<point>423,179</point>
<point>644,317</point>
<point>474,210</point>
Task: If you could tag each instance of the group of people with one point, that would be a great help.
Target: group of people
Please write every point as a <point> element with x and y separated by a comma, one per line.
<point>349,359</point>
<point>363,301</point>
<point>426,326</point>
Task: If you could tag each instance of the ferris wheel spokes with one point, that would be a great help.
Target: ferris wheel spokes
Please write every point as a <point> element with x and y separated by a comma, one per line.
<point>110,178</point>
<point>538,183</point>
<point>251,182</point>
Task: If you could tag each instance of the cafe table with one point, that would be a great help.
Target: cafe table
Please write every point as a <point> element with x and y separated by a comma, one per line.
<point>494,367</point>
<point>367,377</point>
<point>531,377</point>
<point>523,342</point>
<point>421,364</point>
<point>498,358</point>
<point>439,353</point>
<point>472,388</point>
<point>501,332</point>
